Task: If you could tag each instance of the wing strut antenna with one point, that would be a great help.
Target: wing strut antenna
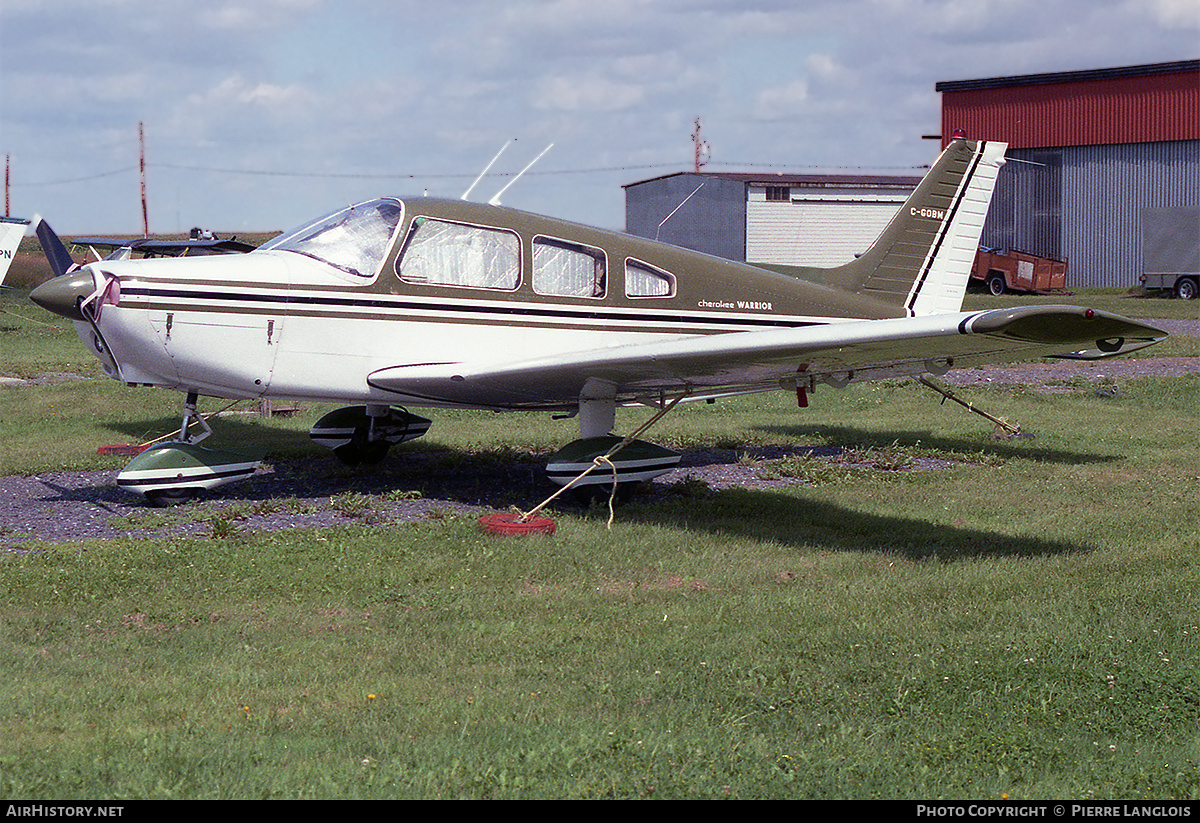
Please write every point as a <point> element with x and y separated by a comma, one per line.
<point>495,201</point>
<point>486,168</point>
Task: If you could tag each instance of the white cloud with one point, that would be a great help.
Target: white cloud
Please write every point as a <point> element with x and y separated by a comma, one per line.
<point>593,93</point>
<point>782,102</point>
<point>237,89</point>
<point>1183,13</point>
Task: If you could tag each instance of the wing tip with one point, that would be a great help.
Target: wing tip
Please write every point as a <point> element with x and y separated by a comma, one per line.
<point>1100,334</point>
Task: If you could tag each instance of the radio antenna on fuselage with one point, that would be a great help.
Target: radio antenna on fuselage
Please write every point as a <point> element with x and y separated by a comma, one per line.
<point>677,208</point>
<point>495,201</point>
<point>471,188</point>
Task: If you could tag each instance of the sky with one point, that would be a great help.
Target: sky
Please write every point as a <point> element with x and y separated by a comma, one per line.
<point>261,114</point>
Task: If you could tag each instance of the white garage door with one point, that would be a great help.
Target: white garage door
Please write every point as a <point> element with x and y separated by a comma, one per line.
<point>815,231</point>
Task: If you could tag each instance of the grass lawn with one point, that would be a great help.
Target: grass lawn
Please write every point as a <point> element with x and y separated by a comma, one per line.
<point>1022,623</point>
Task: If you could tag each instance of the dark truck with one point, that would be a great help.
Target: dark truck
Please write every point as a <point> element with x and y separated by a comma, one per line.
<point>1013,270</point>
<point>1171,250</point>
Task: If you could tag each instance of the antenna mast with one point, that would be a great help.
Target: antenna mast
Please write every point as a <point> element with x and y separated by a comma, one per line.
<point>702,149</point>
<point>495,201</point>
<point>142,165</point>
<point>471,188</point>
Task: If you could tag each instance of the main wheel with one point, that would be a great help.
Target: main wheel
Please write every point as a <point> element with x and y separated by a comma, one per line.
<point>600,493</point>
<point>162,498</point>
<point>360,450</point>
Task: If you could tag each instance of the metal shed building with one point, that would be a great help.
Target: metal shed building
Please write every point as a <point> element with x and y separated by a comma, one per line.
<point>1095,149</point>
<point>789,219</point>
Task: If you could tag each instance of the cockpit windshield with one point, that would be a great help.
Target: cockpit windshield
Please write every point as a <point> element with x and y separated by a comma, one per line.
<point>355,239</point>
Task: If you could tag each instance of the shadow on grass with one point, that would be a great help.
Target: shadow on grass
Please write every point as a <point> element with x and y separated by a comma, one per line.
<point>247,434</point>
<point>1023,448</point>
<point>502,477</point>
<point>791,520</point>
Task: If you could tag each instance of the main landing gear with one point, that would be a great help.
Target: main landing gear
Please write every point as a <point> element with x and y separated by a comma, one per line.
<point>592,465</point>
<point>636,461</point>
<point>177,470</point>
<point>363,434</point>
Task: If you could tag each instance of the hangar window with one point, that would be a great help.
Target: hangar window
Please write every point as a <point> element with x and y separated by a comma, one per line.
<point>438,253</point>
<point>778,194</point>
<point>567,269</point>
<point>642,280</point>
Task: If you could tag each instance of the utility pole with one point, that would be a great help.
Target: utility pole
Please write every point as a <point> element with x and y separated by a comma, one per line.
<point>145,212</point>
<point>7,182</point>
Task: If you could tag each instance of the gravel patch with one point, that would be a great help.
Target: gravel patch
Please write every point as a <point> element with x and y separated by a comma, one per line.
<point>1053,376</point>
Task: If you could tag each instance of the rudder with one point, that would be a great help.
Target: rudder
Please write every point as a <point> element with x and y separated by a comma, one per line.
<point>922,260</point>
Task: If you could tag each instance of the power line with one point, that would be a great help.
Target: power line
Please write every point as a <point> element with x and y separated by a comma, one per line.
<point>77,179</point>
<point>402,176</point>
<point>435,176</point>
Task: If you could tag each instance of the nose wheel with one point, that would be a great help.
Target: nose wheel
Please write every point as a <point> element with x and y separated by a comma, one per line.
<point>176,471</point>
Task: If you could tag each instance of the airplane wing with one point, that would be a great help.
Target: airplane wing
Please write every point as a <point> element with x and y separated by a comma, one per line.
<point>166,247</point>
<point>722,364</point>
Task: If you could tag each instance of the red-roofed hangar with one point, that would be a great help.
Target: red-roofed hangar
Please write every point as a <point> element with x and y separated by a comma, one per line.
<point>1101,153</point>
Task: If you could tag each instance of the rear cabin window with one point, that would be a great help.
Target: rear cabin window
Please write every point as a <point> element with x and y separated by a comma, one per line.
<point>567,269</point>
<point>438,253</point>
<point>642,280</point>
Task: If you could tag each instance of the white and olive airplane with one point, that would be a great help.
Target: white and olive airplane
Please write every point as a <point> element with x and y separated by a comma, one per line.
<point>448,303</point>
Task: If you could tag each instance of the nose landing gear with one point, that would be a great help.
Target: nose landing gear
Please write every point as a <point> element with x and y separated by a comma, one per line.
<point>176,471</point>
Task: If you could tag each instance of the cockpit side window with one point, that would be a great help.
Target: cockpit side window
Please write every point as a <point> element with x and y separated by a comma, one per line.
<point>643,280</point>
<point>438,253</point>
<point>567,269</point>
<point>354,239</point>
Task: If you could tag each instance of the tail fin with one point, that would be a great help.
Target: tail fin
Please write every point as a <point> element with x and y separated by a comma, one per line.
<point>56,253</point>
<point>12,230</point>
<point>923,259</point>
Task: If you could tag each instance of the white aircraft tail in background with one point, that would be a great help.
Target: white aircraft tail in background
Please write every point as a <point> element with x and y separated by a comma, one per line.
<point>12,229</point>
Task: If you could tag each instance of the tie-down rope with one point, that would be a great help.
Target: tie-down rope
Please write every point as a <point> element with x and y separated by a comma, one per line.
<point>599,462</point>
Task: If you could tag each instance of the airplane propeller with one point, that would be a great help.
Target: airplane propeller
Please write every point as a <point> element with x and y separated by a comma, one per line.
<point>56,253</point>
<point>75,294</point>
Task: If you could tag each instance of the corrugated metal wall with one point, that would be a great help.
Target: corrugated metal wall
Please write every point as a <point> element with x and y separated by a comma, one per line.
<point>1105,189</point>
<point>1078,108</point>
<point>712,221</point>
<point>1098,147</point>
<point>1085,203</point>
<point>821,223</point>
<point>1026,210</point>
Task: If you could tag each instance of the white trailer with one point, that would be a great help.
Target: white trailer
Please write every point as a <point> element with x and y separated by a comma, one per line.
<point>1171,250</point>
